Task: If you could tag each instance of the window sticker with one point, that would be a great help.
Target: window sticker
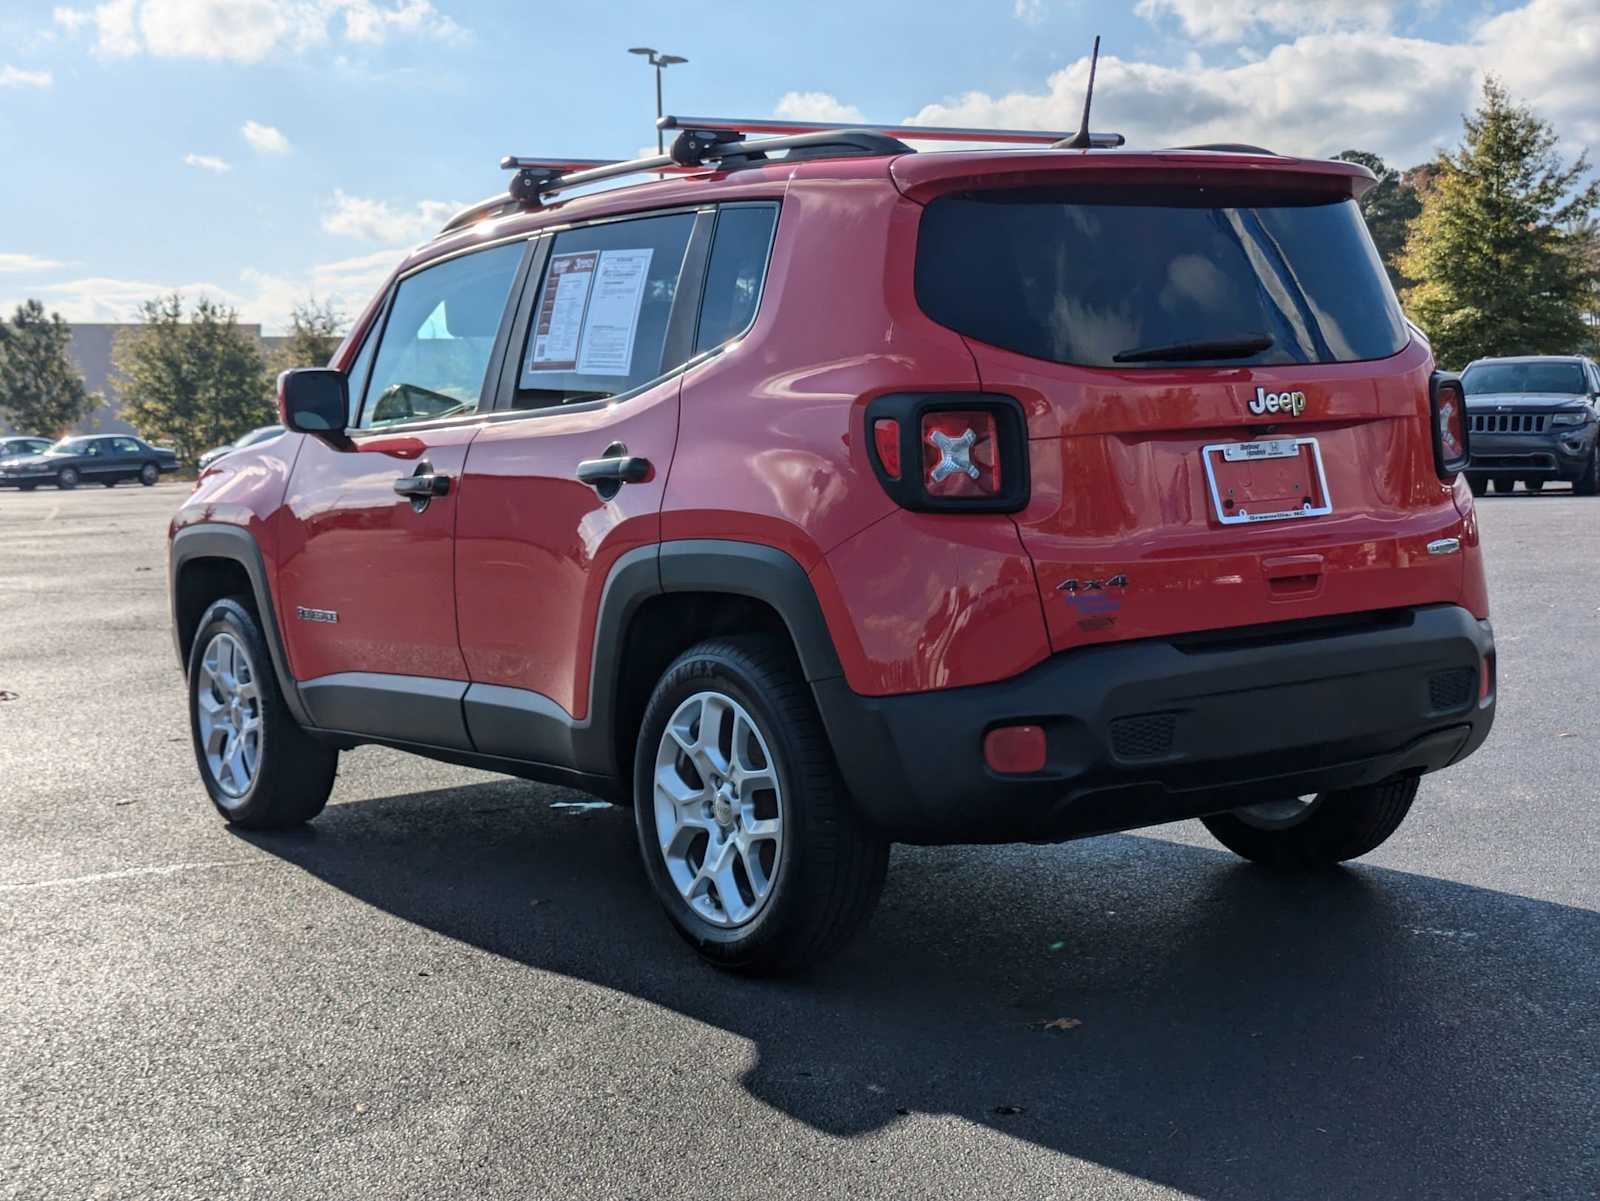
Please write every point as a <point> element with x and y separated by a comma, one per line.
<point>560,320</point>
<point>589,313</point>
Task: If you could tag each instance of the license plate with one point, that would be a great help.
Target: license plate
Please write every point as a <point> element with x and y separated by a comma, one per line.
<point>1273,479</point>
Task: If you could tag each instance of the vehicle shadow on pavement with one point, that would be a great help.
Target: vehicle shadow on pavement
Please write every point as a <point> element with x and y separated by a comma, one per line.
<point>1361,1033</point>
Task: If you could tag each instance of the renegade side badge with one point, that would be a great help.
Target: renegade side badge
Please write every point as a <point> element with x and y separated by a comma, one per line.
<point>328,616</point>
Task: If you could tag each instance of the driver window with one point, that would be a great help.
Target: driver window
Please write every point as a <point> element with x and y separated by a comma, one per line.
<point>436,344</point>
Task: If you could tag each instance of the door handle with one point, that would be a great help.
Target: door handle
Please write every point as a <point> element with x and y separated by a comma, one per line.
<point>614,468</point>
<point>423,485</point>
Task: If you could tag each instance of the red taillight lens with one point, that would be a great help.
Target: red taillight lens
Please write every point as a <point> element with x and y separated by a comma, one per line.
<point>886,436</point>
<point>1448,404</point>
<point>960,454</point>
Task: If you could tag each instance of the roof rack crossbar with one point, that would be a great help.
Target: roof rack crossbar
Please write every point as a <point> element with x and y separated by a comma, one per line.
<point>915,133</point>
<point>703,140</point>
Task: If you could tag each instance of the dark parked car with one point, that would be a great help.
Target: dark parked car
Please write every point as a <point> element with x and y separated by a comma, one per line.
<point>1534,418</point>
<point>99,459</point>
<point>265,433</point>
<point>16,448</point>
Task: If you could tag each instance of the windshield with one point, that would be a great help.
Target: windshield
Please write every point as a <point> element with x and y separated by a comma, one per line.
<point>68,446</point>
<point>1555,377</point>
<point>1132,277</point>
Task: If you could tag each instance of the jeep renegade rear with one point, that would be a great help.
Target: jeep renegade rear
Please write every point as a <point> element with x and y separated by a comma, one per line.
<point>812,503</point>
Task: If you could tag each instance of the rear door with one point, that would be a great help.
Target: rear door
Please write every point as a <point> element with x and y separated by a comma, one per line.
<point>127,458</point>
<point>592,372</point>
<point>1227,416</point>
<point>367,573</point>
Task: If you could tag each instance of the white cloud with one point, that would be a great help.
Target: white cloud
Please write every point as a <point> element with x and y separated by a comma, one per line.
<point>208,162</point>
<point>815,106</point>
<point>11,263</point>
<point>248,31</point>
<point>1029,12</point>
<point>379,221</point>
<point>101,298</point>
<point>1230,20</point>
<point>260,297</point>
<point>266,139</point>
<point>1326,92</point>
<point>16,77</point>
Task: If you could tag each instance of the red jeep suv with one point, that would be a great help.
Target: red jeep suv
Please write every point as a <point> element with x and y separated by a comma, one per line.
<point>815,494</point>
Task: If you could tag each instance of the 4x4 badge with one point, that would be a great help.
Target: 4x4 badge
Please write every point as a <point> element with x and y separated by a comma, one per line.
<point>1292,403</point>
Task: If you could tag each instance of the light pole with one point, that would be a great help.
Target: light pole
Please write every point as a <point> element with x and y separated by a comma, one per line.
<point>659,61</point>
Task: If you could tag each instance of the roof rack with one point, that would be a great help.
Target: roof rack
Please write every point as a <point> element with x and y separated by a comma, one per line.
<point>723,140</point>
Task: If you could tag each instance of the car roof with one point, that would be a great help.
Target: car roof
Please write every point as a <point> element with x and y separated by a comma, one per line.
<point>1531,358</point>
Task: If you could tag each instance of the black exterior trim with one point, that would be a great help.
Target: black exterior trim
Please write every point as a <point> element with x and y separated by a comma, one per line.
<point>1144,732</point>
<point>236,545</point>
<point>761,573</point>
<point>416,708</point>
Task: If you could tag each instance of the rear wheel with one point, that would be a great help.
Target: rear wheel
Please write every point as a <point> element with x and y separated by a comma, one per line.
<point>1588,484</point>
<point>67,479</point>
<point>1478,483</point>
<point>149,474</point>
<point>748,835</point>
<point>262,771</point>
<point>1504,483</point>
<point>1315,831</point>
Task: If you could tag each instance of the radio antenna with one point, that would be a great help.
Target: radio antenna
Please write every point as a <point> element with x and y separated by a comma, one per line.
<point>1081,140</point>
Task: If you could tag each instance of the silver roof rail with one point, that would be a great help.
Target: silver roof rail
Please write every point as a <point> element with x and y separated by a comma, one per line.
<point>703,140</point>
<point>915,133</point>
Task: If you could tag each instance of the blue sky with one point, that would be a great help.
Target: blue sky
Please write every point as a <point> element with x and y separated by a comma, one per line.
<point>266,150</point>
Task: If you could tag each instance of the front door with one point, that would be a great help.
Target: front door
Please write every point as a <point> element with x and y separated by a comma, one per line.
<point>367,554</point>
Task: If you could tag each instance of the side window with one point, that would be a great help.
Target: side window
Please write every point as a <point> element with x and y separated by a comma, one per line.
<point>95,448</point>
<point>436,344</point>
<point>599,325</point>
<point>125,446</point>
<point>735,273</point>
<point>361,368</point>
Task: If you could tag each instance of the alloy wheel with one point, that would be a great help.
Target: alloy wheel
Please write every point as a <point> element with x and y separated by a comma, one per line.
<point>719,809</point>
<point>228,706</point>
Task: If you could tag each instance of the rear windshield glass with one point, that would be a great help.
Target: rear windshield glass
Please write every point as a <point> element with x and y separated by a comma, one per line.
<point>1117,277</point>
<point>1487,378</point>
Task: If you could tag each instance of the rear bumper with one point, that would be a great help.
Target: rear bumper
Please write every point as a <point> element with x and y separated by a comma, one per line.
<point>1153,731</point>
<point>1553,455</point>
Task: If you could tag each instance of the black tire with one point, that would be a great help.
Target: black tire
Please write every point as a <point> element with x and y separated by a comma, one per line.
<point>1478,483</point>
<point>26,487</point>
<point>1339,826</point>
<point>67,479</point>
<point>294,773</point>
<point>827,876</point>
<point>109,483</point>
<point>1533,485</point>
<point>149,474</point>
<point>1504,483</point>
<point>1588,484</point>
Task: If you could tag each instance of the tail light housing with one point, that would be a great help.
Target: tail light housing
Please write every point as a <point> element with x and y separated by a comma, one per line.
<point>963,452</point>
<point>1447,416</point>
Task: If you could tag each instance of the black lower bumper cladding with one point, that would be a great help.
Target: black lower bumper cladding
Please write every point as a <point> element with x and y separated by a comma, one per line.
<point>1140,733</point>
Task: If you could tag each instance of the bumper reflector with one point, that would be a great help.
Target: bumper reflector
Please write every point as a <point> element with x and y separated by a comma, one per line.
<point>1014,750</point>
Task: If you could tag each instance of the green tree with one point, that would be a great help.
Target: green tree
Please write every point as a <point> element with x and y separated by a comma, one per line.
<point>1498,262</point>
<point>41,391</point>
<point>315,330</point>
<point>1389,206</point>
<point>191,384</point>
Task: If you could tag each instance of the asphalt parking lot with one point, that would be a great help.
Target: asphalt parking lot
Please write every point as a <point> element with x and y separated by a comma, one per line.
<point>457,985</point>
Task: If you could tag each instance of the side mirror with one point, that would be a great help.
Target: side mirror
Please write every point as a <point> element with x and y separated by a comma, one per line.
<point>314,400</point>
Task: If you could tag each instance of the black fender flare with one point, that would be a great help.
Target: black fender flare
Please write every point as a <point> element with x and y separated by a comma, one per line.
<point>237,545</point>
